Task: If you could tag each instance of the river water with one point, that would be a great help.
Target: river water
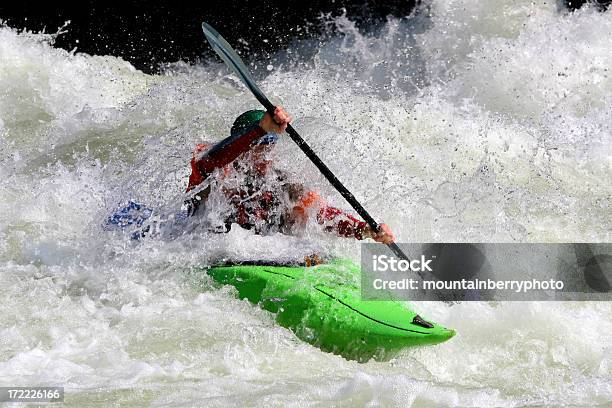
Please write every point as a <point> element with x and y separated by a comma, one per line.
<point>476,121</point>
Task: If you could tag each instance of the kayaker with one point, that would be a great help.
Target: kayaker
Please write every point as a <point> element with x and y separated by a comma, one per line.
<point>234,181</point>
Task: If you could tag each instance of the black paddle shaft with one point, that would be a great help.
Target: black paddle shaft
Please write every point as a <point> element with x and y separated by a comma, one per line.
<point>329,175</point>
<point>234,62</point>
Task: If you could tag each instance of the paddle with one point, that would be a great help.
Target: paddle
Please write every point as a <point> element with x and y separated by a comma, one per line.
<point>232,60</point>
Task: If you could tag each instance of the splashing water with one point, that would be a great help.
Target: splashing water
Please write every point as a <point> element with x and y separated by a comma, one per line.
<point>472,121</point>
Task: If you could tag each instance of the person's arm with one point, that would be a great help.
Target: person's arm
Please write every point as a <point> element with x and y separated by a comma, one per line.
<point>339,222</point>
<point>205,161</point>
<point>226,150</point>
<point>343,224</point>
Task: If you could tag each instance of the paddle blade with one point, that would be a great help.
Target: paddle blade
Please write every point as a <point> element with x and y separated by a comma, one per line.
<point>234,62</point>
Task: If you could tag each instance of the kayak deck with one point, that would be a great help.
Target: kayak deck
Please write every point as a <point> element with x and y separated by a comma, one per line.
<point>323,306</point>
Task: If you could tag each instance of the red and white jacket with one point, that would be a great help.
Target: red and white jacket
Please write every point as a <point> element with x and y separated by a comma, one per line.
<point>206,159</point>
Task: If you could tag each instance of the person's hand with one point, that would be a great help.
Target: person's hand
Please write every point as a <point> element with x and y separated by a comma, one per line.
<point>384,234</point>
<point>276,124</point>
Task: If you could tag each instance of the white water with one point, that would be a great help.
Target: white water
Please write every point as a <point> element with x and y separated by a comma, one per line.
<point>488,121</point>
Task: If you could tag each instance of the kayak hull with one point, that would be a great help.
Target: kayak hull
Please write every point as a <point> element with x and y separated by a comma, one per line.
<point>322,305</point>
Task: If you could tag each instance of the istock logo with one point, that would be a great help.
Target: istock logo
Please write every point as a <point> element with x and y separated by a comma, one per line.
<point>383,263</point>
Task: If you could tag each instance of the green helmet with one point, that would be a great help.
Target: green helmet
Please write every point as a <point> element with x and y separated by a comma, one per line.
<point>246,120</point>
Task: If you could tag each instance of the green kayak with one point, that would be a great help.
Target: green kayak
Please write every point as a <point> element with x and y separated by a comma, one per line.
<point>322,304</point>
